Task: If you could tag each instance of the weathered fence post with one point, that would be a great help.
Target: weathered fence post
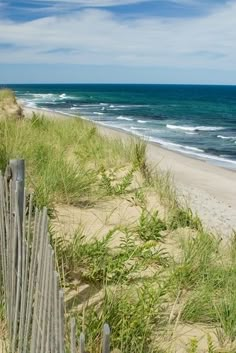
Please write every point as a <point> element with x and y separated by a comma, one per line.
<point>17,169</point>
<point>73,335</point>
<point>82,343</point>
<point>17,192</point>
<point>106,339</point>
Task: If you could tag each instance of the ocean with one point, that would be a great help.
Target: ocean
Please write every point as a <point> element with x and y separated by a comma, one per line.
<point>198,121</point>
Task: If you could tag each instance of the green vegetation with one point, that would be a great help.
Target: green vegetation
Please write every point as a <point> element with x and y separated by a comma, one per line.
<point>150,226</point>
<point>6,94</point>
<point>95,262</point>
<point>9,108</point>
<point>133,316</point>
<point>118,188</point>
<point>66,160</point>
<point>147,274</point>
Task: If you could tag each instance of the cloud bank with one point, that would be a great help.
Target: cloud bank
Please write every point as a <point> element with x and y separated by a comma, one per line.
<point>100,37</point>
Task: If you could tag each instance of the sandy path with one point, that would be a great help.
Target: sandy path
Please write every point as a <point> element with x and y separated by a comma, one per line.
<point>209,190</point>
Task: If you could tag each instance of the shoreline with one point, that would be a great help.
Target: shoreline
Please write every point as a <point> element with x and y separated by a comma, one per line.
<point>208,190</point>
<point>188,155</point>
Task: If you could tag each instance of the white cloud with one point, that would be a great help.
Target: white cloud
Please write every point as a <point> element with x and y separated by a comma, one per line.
<point>97,37</point>
<point>106,3</point>
<point>95,3</point>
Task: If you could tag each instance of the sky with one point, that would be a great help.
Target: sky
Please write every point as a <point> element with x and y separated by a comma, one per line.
<point>118,41</point>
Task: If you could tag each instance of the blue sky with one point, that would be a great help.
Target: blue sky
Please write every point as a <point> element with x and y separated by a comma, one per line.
<point>146,41</point>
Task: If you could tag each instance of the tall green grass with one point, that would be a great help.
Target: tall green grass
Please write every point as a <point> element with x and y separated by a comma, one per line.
<point>95,261</point>
<point>6,94</point>
<point>64,158</point>
<point>134,316</point>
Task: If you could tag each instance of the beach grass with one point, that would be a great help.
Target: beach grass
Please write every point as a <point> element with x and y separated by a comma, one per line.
<point>9,108</point>
<point>165,270</point>
<point>6,94</point>
<point>65,158</point>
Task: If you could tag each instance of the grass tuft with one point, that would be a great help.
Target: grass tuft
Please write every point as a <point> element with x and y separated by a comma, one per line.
<point>180,217</point>
<point>119,188</point>
<point>150,226</point>
<point>133,316</point>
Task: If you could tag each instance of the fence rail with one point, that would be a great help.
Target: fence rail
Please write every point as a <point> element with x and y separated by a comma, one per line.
<point>34,301</point>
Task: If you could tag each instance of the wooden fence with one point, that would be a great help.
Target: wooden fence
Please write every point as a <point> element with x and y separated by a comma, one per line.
<point>33,299</point>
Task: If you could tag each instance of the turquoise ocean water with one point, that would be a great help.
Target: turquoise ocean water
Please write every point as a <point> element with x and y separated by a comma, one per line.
<point>199,121</point>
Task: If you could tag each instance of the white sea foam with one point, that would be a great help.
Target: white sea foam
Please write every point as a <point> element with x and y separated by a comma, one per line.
<point>132,106</point>
<point>30,105</point>
<point>43,95</point>
<point>49,97</point>
<point>139,128</point>
<point>227,137</point>
<point>90,105</point>
<point>121,117</point>
<point>194,128</point>
<point>98,113</point>
<point>193,149</point>
<point>65,96</point>
<point>142,121</point>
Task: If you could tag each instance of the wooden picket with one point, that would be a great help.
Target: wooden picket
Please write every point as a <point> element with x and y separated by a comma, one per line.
<point>34,301</point>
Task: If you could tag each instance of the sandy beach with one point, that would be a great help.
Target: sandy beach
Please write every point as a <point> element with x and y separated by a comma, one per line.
<point>208,190</point>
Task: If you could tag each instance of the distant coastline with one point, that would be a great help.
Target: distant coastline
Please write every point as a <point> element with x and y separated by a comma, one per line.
<point>197,121</point>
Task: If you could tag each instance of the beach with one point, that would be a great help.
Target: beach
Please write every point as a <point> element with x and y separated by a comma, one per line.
<point>141,233</point>
<point>208,190</point>
<point>118,176</point>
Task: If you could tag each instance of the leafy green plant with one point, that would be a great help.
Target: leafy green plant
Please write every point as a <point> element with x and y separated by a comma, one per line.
<point>210,345</point>
<point>133,315</point>
<point>193,346</point>
<point>95,262</point>
<point>180,217</point>
<point>117,188</point>
<point>150,226</point>
<point>140,197</point>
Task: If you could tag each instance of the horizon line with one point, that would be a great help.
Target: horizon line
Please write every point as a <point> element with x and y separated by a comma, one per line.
<point>119,83</point>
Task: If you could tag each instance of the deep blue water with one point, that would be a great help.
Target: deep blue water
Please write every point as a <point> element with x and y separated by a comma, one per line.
<point>196,120</point>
